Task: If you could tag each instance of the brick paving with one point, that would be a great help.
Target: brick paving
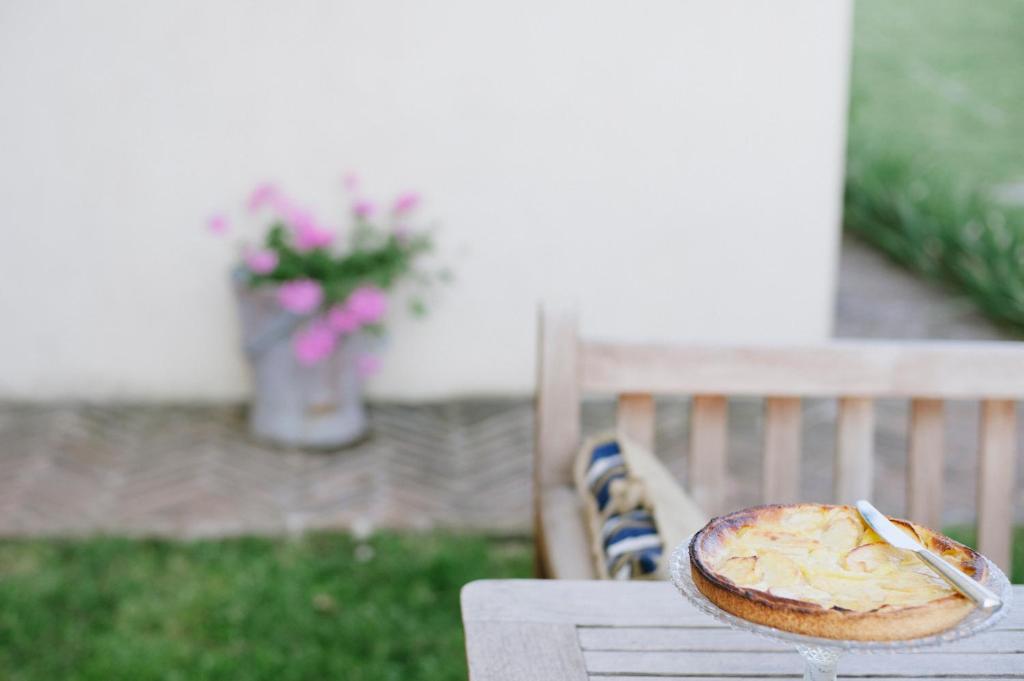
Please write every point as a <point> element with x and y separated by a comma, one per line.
<point>192,470</point>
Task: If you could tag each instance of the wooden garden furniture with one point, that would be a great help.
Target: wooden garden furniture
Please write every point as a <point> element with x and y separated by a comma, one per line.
<point>544,630</point>
<point>855,373</point>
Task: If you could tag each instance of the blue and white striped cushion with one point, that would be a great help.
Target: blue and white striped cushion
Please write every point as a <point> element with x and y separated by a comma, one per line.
<point>629,537</point>
<point>606,465</point>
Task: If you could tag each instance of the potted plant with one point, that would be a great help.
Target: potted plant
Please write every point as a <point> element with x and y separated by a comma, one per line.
<point>312,302</point>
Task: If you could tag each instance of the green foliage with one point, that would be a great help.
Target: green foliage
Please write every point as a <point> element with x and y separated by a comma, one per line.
<point>242,609</point>
<point>934,120</point>
<point>944,230</point>
<point>968,535</point>
<point>375,257</point>
<point>944,77</point>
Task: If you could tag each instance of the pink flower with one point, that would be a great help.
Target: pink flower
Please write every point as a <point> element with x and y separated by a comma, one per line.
<point>314,343</point>
<point>261,260</point>
<point>406,202</point>
<point>368,304</point>
<point>296,217</point>
<point>283,207</point>
<point>218,224</point>
<point>351,181</point>
<point>367,365</point>
<point>265,194</point>
<point>364,208</point>
<point>308,234</point>
<point>310,237</point>
<point>341,319</point>
<point>300,295</point>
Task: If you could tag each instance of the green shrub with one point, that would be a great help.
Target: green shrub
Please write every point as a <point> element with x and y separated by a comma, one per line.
<point>946,230</point>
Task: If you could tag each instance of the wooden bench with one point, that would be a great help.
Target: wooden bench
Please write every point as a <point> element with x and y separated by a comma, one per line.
<point>855,373</point>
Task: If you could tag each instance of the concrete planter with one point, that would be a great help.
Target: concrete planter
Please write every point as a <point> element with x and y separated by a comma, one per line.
<point>293,405</point>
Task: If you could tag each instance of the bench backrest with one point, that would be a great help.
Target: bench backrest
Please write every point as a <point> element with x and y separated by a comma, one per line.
<point>855,373</point>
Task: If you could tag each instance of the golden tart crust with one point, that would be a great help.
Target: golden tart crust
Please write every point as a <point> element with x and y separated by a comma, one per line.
<point>819,570</point>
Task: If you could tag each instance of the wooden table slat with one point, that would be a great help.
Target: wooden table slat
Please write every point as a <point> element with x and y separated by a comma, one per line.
<point>715,638</point>
<point>842,675</point>
<point>773,663</point>
<point>539,651</point>
<point>592,602</point>
<point>534,630</point>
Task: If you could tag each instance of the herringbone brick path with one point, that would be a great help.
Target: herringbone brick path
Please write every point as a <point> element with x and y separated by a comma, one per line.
<point>188,471</point>
<point>194,471</point>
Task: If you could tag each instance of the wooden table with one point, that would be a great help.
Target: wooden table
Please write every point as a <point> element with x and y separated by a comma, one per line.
<point>537,630</point>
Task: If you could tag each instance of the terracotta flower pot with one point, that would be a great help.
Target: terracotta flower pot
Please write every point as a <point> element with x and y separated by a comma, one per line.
<point>294,405</point>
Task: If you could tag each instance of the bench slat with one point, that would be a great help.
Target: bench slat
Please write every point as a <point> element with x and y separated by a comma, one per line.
<point>855,436</point>
<point>949,370</point>
<point>781,463</point>
<point>996,477</point>
<point>635,417</point>
<point>925,458</point>
<point>708,441</point>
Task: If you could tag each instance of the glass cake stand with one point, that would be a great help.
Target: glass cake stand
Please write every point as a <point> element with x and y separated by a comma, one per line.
<point>822,654</point>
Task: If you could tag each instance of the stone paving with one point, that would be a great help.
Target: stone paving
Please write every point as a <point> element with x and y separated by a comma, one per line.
<point>877,298</point>
<point>194,471</point>
<point>189,471</point>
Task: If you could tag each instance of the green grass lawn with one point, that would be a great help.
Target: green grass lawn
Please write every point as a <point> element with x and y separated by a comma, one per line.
<point>310,608</point>
<point>942,80</point>
<point>935,126</point>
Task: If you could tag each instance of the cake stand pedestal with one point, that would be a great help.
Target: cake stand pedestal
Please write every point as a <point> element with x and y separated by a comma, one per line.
<point>821,655</point>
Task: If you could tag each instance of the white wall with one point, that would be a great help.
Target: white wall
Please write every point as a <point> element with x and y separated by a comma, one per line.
<point>673,166</point>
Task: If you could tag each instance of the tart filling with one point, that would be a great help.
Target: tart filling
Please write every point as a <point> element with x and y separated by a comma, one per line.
<point>814,559</point>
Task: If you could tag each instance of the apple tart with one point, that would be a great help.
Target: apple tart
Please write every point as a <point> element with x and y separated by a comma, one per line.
<point>819,570</point>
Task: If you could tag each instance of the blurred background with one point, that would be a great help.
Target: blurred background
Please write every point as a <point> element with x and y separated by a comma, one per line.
<point>629,162</point>
<point>677,171</point>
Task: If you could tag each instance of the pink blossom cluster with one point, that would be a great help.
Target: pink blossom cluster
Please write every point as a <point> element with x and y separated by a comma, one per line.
<point>317,340</point>
<point>260,260</point>
<point>300,296</point>
<point>307,233</point>
<point>367,305</point>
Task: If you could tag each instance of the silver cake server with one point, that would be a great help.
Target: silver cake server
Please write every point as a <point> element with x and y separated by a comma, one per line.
<point>883,527</point>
